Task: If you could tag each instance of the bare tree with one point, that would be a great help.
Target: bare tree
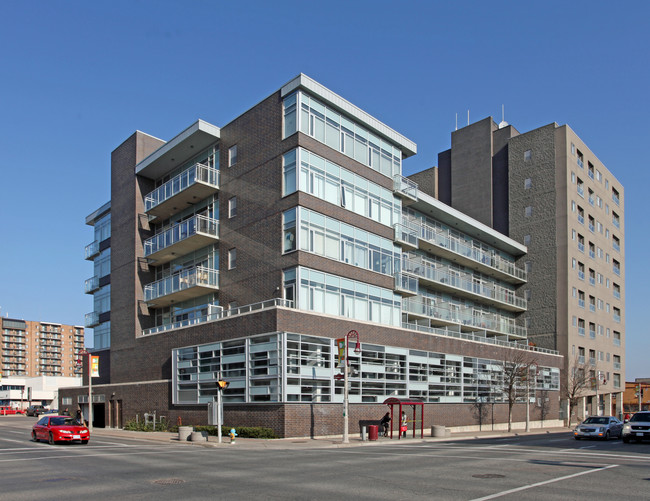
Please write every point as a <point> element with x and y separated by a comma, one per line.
<point>576,384</point>
<point>544,405</point>
<point>480,410</point>
<point>515,368</point>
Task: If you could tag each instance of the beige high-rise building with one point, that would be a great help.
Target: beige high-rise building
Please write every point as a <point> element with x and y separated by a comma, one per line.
<point>31,348</point>
<point>546,189</point>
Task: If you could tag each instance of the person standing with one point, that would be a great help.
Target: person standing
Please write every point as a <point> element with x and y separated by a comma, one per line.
<point>404,426</point>
<point>385,422</point>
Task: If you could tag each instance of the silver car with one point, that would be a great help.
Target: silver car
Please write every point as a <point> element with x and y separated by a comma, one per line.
<point>637,428</point>
<point>602,427</point>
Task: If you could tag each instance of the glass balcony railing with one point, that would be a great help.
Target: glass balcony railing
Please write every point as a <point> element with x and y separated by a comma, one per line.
<point>581,247</point>
<point>592,280</point>
<point>592,361</point>
<point>616,199</point>
<point>581,191</point>
<point>405,187</point>
<point>592,228</point>
<point>617,318</point>
<point>592,254</point>
<point>454,314</point>
<point>581,275</point>
<point>181,286</point>
<point>592,308</point>
<point>187,235</point>
<point>581,331</point>
<point>617,342</point>
<point>616,223</point>
<point>617,270</point>
<point>581,219</point>
<point>592,334</point>
<point>465,283</point>
<point>617,365</point>
<point>92,319</point>
<point>406,236</point>
<point>617,294</point>
<point>444,240</point>
<point>91,285</point>
<point>92,250</point>
<point>616,247</point>
<point>581,303</point>
<point>198,176</point>
<point>406,284</point>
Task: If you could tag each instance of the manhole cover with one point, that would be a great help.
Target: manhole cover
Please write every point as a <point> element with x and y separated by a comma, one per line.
<point>169,481</point>
<point>488,475</point>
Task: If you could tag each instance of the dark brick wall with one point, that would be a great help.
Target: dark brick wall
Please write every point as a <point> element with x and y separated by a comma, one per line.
<point>427,181</point>
<point>541,226</point>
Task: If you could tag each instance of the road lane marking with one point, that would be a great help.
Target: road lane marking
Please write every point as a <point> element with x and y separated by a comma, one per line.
<point>538,484</point>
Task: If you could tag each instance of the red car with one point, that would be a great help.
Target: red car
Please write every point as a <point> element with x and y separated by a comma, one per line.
<point>5,410</point>
<point>60,429</point>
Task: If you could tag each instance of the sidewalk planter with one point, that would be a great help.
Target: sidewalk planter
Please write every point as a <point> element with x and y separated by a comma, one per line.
<point>198,436</point>
<point>184,433</point>
<point>438,431</point>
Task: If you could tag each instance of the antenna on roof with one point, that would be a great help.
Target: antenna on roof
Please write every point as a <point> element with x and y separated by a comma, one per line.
<point>456,121</point>
<point>503,117</point>
<point>468,117</point>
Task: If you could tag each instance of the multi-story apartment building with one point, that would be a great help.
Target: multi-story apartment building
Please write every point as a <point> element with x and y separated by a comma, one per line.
<point>31,348</point>
<point>547,189</point>
<point>99,285</point>
<point>244,252</point>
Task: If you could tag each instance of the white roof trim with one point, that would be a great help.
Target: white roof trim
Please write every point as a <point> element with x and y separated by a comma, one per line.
<point>198,126</point>
<point>302,80</point>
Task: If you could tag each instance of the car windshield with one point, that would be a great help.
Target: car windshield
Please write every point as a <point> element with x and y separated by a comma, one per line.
<point>641,416</point>
<point>596,420</point>
<point>63,421</point>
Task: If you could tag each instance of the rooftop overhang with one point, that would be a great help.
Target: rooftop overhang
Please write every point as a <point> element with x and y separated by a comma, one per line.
<point>407,146</point>
<point>177,151</point>
<point>455,219</point>
<point>92,218</point>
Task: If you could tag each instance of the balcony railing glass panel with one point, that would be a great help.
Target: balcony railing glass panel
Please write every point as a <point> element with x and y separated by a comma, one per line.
<point>198,224</point>
<point>198,276</point>
<point>196,173</point>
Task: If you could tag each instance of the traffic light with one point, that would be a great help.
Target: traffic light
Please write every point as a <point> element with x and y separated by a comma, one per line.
<point>223,384</point>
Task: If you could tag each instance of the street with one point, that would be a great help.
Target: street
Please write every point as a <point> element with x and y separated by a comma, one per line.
<point>548,466</point>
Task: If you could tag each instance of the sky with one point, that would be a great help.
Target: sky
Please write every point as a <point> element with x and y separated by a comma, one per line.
<point>77,78</point>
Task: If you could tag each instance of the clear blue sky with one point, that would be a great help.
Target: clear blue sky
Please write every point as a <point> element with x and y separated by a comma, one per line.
<point>77,78</point>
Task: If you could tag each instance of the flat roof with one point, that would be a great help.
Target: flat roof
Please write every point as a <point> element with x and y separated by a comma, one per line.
<point>407,146</point>
<point>176,151</point>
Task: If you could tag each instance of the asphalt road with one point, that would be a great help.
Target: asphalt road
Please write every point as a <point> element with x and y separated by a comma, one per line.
<point>545,466</point>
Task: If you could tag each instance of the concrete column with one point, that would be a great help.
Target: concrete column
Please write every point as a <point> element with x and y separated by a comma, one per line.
<point>607,404</point>
<point>581,410</point>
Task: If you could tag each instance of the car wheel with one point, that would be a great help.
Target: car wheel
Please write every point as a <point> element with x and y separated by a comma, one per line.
<point>51,439</point>
<point>607,435</point>
<point>34,439</point>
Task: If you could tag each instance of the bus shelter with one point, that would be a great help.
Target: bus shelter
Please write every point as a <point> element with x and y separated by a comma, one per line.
<point>403,405</point>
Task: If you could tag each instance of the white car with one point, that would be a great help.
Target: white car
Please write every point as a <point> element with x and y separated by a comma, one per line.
<point>603,427</point>
<point>637,428</point>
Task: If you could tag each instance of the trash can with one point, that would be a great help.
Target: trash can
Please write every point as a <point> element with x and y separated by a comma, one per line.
<point>373,432</point>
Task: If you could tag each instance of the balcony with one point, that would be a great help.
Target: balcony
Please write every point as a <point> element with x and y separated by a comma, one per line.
<point>592,228</point>
<point>463,285</point>
<point>592,334</point>
<point>581,359</point>
<point>581,331</point>
<point>407,237</point>
<point>181,286</point>
<point>447,314</point>
<point>181,239</point>
<point>581,303</point>
<point>616,223</point>
<point>581,219</point>
<point>92,250</point>
<point>617,366</point>
<point>616,199</point>
<point>91,285</point>
<point>406,284</point>
<point>617,294</point>
<point>190,186</point>
<point>442,243</point>
<point>617,342</point>
<point>581,247</point>
<point>405,188</point>
<point>581,190</point>
<point>92,319</point>
<point>592,361</point>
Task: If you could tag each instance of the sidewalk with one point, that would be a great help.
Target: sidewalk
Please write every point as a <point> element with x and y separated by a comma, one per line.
<point>319,442</point>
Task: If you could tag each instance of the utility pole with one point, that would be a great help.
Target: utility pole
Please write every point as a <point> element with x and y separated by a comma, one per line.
<point>346,390</point>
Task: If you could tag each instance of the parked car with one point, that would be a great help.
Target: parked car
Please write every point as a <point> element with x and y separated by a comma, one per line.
<point>603,427</point>
<point>60,429</point>
<point>35,410</point>
<point>7,410</point>
<point>637,428</point>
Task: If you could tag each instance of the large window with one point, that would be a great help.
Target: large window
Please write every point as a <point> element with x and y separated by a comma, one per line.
<point>340,133</point>
<point>333,239</point>
<point>334,295</point>
<point>332,183</point>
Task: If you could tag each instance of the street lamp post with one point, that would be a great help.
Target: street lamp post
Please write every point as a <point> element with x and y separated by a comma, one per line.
<point>82,353</point>
<point>346,372</point>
